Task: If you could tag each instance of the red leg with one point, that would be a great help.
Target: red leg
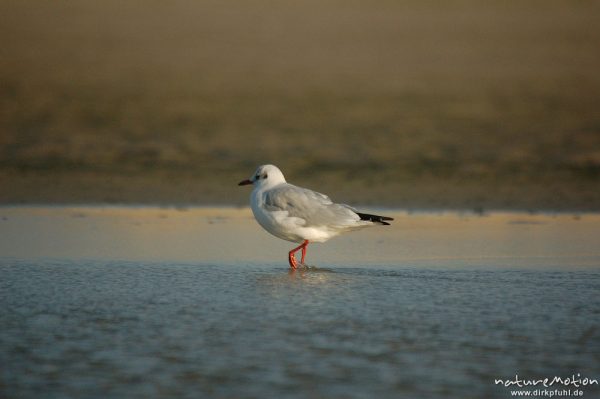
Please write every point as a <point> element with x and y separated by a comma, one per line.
<point>304,245</point>
<point>292,260</point>
<point>292,257</point>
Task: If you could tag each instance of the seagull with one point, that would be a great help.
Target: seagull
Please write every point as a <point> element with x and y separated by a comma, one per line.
<point>301,215</point>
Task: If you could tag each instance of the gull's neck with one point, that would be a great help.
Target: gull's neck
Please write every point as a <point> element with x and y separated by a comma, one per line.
<point>267,186</point>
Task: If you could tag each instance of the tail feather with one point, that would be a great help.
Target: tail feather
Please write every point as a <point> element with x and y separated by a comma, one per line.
<point>374,218</point>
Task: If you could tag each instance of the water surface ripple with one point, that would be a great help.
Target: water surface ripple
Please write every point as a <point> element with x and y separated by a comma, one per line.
<point>96,329</point>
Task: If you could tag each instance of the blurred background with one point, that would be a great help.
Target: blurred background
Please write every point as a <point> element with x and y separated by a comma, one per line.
<point>460,104</point>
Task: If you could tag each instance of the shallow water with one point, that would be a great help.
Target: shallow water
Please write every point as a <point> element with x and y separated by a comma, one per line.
<point>438,328</point>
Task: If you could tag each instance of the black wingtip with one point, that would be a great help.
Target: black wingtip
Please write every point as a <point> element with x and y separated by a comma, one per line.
<point>374,218</point>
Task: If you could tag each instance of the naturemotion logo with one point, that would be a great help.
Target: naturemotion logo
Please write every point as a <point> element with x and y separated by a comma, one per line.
<point>574,381</point>
<point>548,382</point>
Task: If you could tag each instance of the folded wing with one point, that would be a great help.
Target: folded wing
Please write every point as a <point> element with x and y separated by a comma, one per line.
<point>314,208</point>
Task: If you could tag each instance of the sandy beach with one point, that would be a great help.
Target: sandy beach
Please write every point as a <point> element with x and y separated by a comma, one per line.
<point>415,105</point>
<point>231,235</point>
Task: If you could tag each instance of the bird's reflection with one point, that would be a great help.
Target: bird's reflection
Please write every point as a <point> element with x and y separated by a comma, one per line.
<point>306,270</point>
<point>312,275</point>
<point>303,274</point>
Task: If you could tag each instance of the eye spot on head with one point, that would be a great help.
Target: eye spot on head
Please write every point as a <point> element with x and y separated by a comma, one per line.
<point>264,176</point>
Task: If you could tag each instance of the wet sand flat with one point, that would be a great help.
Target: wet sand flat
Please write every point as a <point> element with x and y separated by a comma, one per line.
<point>145,302</point>
<point>225,235</point>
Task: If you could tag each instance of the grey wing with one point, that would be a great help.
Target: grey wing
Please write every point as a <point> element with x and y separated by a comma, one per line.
<point>314,208</point>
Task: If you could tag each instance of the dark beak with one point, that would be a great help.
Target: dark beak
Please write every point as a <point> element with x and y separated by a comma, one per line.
<point>245,182</point>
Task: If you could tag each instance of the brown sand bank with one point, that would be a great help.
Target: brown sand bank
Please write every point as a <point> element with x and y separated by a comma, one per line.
<point>415,104</point>
<point>426,193</point>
